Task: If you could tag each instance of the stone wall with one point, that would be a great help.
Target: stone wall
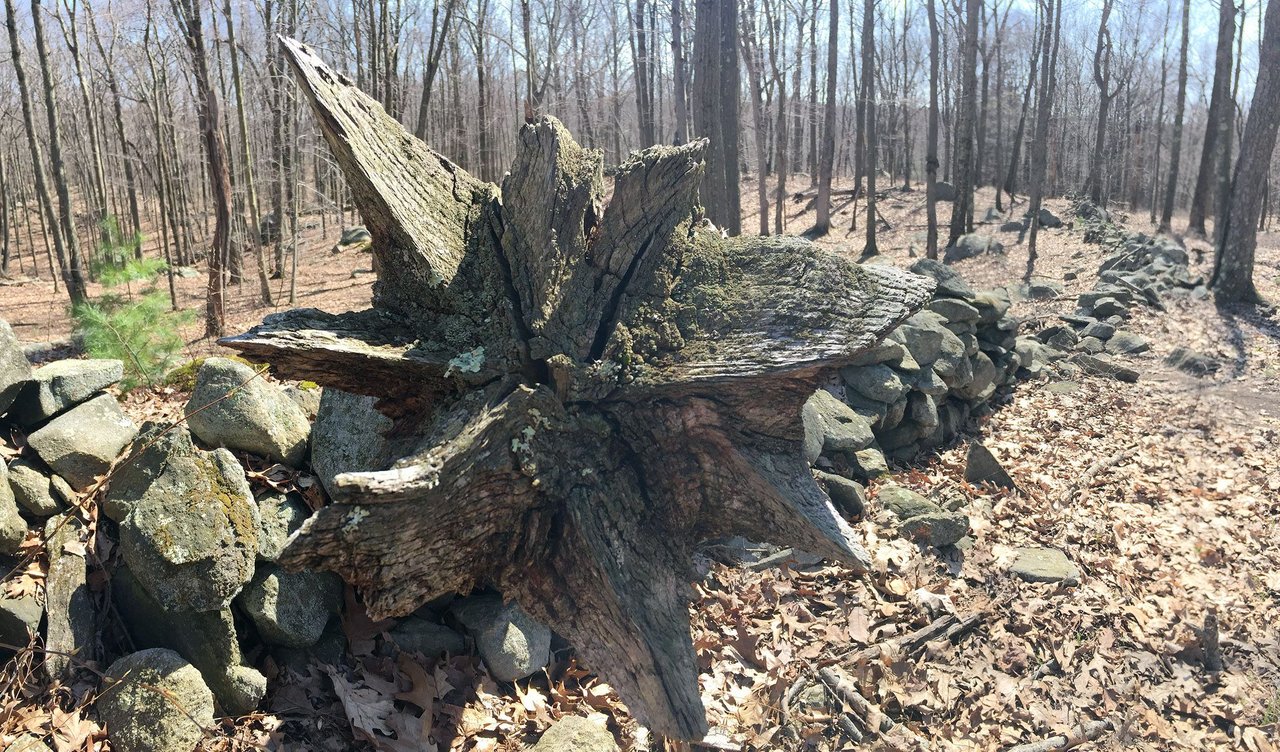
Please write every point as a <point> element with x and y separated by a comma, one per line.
<point>918,388</point>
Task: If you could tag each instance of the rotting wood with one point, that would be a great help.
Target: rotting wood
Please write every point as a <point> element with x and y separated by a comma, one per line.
<point>587,390</point>
<point>1084,733</point>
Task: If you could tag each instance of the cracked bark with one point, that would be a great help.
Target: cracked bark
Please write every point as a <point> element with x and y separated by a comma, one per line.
<point>585,390</point>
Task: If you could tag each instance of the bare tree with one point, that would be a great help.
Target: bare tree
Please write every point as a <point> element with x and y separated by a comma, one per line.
<point>1040,150</point>
<point>1175,149</point>
<point>678,65</point>
<point>189,15</point>
<point>962,207</point>
<point>869,141</point>
<point>827,155</point>
<point>1233,267</point>
<point>931,155</point>
<point>440,29</point>
<point>1106,93</point>
<point>715,108</point>
<point>1218,121</point>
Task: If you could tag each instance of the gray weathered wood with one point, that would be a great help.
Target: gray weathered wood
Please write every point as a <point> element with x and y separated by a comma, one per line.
<point>591,388</point>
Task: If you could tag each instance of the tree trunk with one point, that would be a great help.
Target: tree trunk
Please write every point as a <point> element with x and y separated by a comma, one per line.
<point>1233,272</point>
<point>962,207</point>
<point>73,280</point>
<point>130,180</point>
<point>188,13</point>
<point>1101,77</point>
<point>755,65</point>
<point>584,455</point>
<point>1015,158</point>
<point>827,156</point>
<point>1175,148</point>
<point>715,108</point>
<point>931,138</point>
<point>1218,121</point>
<point>246,155</point>
<point>869,98</point>
<point>431,63</point>
<point>680,82</point>
<point>1040,151</point>
<point>57,167</point>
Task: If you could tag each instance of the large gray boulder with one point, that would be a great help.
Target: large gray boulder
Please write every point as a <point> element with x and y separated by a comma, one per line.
<point>1125,342</point>
<point>14,367</point>
<point>34,490</point>
<point>155,701</point>
<point>63,384</point>
<point>972,245</point>
<point>905,503</point>
<point>511,643</point>
<point>290,609</point>
<point>208,639</point>
<point>13,529</point>
<point>190,530</point>
<point>231,407</point>
<point>348,437</point>
<point>81,444</point>
<point>573,733</point>
<point>832,426</point>
<point>935,529</point>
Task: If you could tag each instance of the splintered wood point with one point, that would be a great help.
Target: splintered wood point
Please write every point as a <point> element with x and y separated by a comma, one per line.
<point>588,389</point>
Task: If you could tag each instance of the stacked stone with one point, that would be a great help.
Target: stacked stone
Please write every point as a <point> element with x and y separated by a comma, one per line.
<point>1140,270</point>
<point>917,389</point>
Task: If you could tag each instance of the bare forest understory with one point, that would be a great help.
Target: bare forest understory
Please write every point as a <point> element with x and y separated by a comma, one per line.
<point>1164,492</point>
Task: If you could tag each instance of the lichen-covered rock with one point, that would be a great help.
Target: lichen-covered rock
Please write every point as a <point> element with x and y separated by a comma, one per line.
<point>953,310</point>
<point>935,529</point>
<point>239,411</point>
<point>33,490</point>
<point>63,384</point>
<point>279,515</point>
<point>14,367</point>
<point>81,444</point>
<point>832,426</point>
<point>870,462</point>
<point>1192,362</point>
<point>190,533</point>
<point>1101,365</point>
<point>13,529</point>
<point>71,627</point>
<point>573,733</point>
<point>983,383</point>
<point>290,609</point>
<point>511,643</point>
<point>1040,564</point>
<point>208,639</point>
<point>347,436</point>
<point>306,396</point>
<point>155,701</point>
<point>878,382</point>
<point>1091,345</point>
<point>1100,329</point>
<point>416,634</point>
<point>28,743</point>
<point>904,502</point>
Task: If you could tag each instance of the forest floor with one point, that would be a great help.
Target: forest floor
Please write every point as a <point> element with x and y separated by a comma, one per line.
<point>1166,494</point>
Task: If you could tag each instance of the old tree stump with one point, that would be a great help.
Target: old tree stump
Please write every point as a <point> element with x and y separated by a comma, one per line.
<point>581,391</point>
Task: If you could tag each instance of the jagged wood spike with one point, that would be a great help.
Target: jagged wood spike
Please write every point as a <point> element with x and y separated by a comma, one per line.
<point>618,382</point>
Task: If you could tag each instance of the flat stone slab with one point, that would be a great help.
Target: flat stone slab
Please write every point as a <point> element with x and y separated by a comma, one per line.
<point>63,384</point>
<point>82,443</point>
<point>1041,564</point>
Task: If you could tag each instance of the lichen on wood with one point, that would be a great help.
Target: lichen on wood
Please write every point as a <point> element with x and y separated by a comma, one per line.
<point>585,390</point>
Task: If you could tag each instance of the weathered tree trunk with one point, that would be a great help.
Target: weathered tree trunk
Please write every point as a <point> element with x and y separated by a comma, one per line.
<point>754,59</point>
<point>1233,268</point>
<point>870,138</point>
<point>680,98</point>
<point>584,390</point>
<point>1219,119</point>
